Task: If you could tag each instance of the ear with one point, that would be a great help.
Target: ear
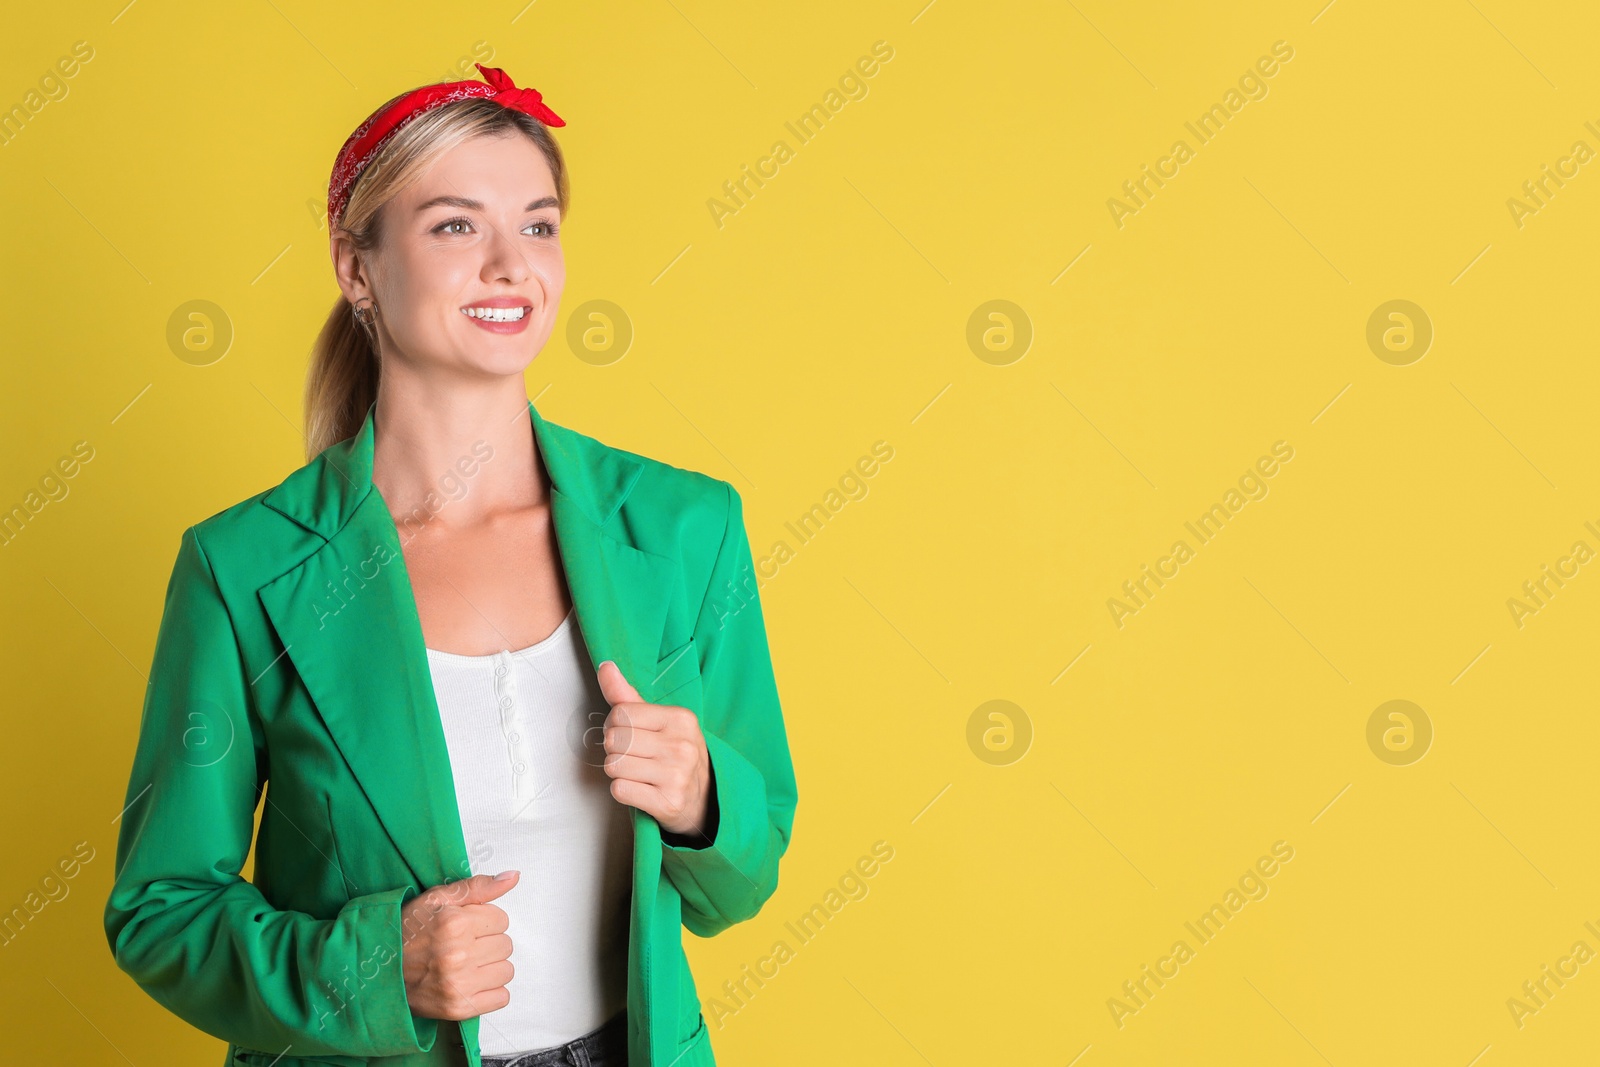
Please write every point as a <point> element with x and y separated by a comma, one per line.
<point>349,268</point>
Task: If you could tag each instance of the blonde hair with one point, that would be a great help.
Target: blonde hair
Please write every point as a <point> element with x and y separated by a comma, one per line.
<point>342,380</point>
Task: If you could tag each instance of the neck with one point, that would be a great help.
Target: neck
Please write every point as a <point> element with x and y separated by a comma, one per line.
<point>454,453</point>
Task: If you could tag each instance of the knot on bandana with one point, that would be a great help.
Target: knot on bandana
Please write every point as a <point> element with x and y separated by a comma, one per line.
<point>529,101</point>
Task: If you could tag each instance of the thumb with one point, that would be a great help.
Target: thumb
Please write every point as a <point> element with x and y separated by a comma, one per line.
<point>614,687</point>
<point>482,888</point>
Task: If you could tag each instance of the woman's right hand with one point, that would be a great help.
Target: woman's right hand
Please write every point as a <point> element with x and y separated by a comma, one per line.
<point>456,953</point>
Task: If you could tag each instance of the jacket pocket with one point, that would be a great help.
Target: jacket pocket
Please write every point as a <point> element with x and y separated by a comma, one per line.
<point>675,670</point>
<point>345,886</point>
<point>698,1034</point>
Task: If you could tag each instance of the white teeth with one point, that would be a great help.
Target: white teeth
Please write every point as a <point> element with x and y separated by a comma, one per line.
<point>496,314</point>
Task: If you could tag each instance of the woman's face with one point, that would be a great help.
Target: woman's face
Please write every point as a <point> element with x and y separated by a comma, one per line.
<point>477,230</point>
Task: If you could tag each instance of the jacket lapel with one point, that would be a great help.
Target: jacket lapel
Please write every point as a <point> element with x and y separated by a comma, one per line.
<point>348,622</point>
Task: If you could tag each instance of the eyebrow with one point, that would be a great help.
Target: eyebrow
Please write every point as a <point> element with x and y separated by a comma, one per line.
<point>474,205</point>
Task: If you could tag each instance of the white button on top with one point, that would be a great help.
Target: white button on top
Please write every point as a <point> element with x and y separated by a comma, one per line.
<point>503,671</point>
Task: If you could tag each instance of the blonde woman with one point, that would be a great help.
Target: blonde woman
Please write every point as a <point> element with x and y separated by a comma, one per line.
<point>507,689</point>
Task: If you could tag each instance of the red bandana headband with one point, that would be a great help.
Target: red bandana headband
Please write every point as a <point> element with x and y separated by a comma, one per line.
<point>369,138</point>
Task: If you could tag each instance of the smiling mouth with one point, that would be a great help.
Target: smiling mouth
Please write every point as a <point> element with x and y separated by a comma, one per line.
<point>497,314</point>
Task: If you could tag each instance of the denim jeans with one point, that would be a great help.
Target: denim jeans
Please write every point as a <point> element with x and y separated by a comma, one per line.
<point>606,1046</point>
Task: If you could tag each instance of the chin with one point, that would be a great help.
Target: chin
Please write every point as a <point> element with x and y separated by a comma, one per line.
<point>504,363</point>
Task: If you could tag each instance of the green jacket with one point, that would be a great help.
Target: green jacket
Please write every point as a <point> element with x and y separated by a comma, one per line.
<point>290,657</point>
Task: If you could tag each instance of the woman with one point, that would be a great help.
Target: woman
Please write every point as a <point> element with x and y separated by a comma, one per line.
<point>507,688</point>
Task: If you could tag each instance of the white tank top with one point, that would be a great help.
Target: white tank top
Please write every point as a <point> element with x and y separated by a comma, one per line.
<point>533,798</point>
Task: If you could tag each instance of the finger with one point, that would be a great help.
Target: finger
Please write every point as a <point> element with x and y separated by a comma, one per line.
<point>491,948</point>
<point>646,716</point>
<point>480,888</point>
<point>496,975</point>
<point>490,1000</point>
<point>651,800</point>
<point>466,991</point>
<point>656,772</point>
<point>641,795</point>
<point>613,686</point>
<point>625,740</point>
<point>670,745</point>
<point>491,982</point>
<point>487,919</point>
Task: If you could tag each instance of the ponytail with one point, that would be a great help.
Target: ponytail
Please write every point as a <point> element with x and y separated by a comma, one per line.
<point>342,381</point>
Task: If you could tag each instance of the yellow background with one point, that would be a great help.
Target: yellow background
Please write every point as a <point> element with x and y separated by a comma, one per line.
<point>831,312</point>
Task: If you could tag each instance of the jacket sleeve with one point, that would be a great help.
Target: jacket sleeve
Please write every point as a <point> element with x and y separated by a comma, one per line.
<point>727,879</point>
<point>197,937</point>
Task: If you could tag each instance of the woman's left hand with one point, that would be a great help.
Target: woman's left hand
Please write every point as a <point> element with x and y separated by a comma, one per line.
<point>655,755</point>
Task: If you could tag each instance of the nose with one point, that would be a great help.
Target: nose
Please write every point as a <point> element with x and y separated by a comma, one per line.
<point>504,258</point>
